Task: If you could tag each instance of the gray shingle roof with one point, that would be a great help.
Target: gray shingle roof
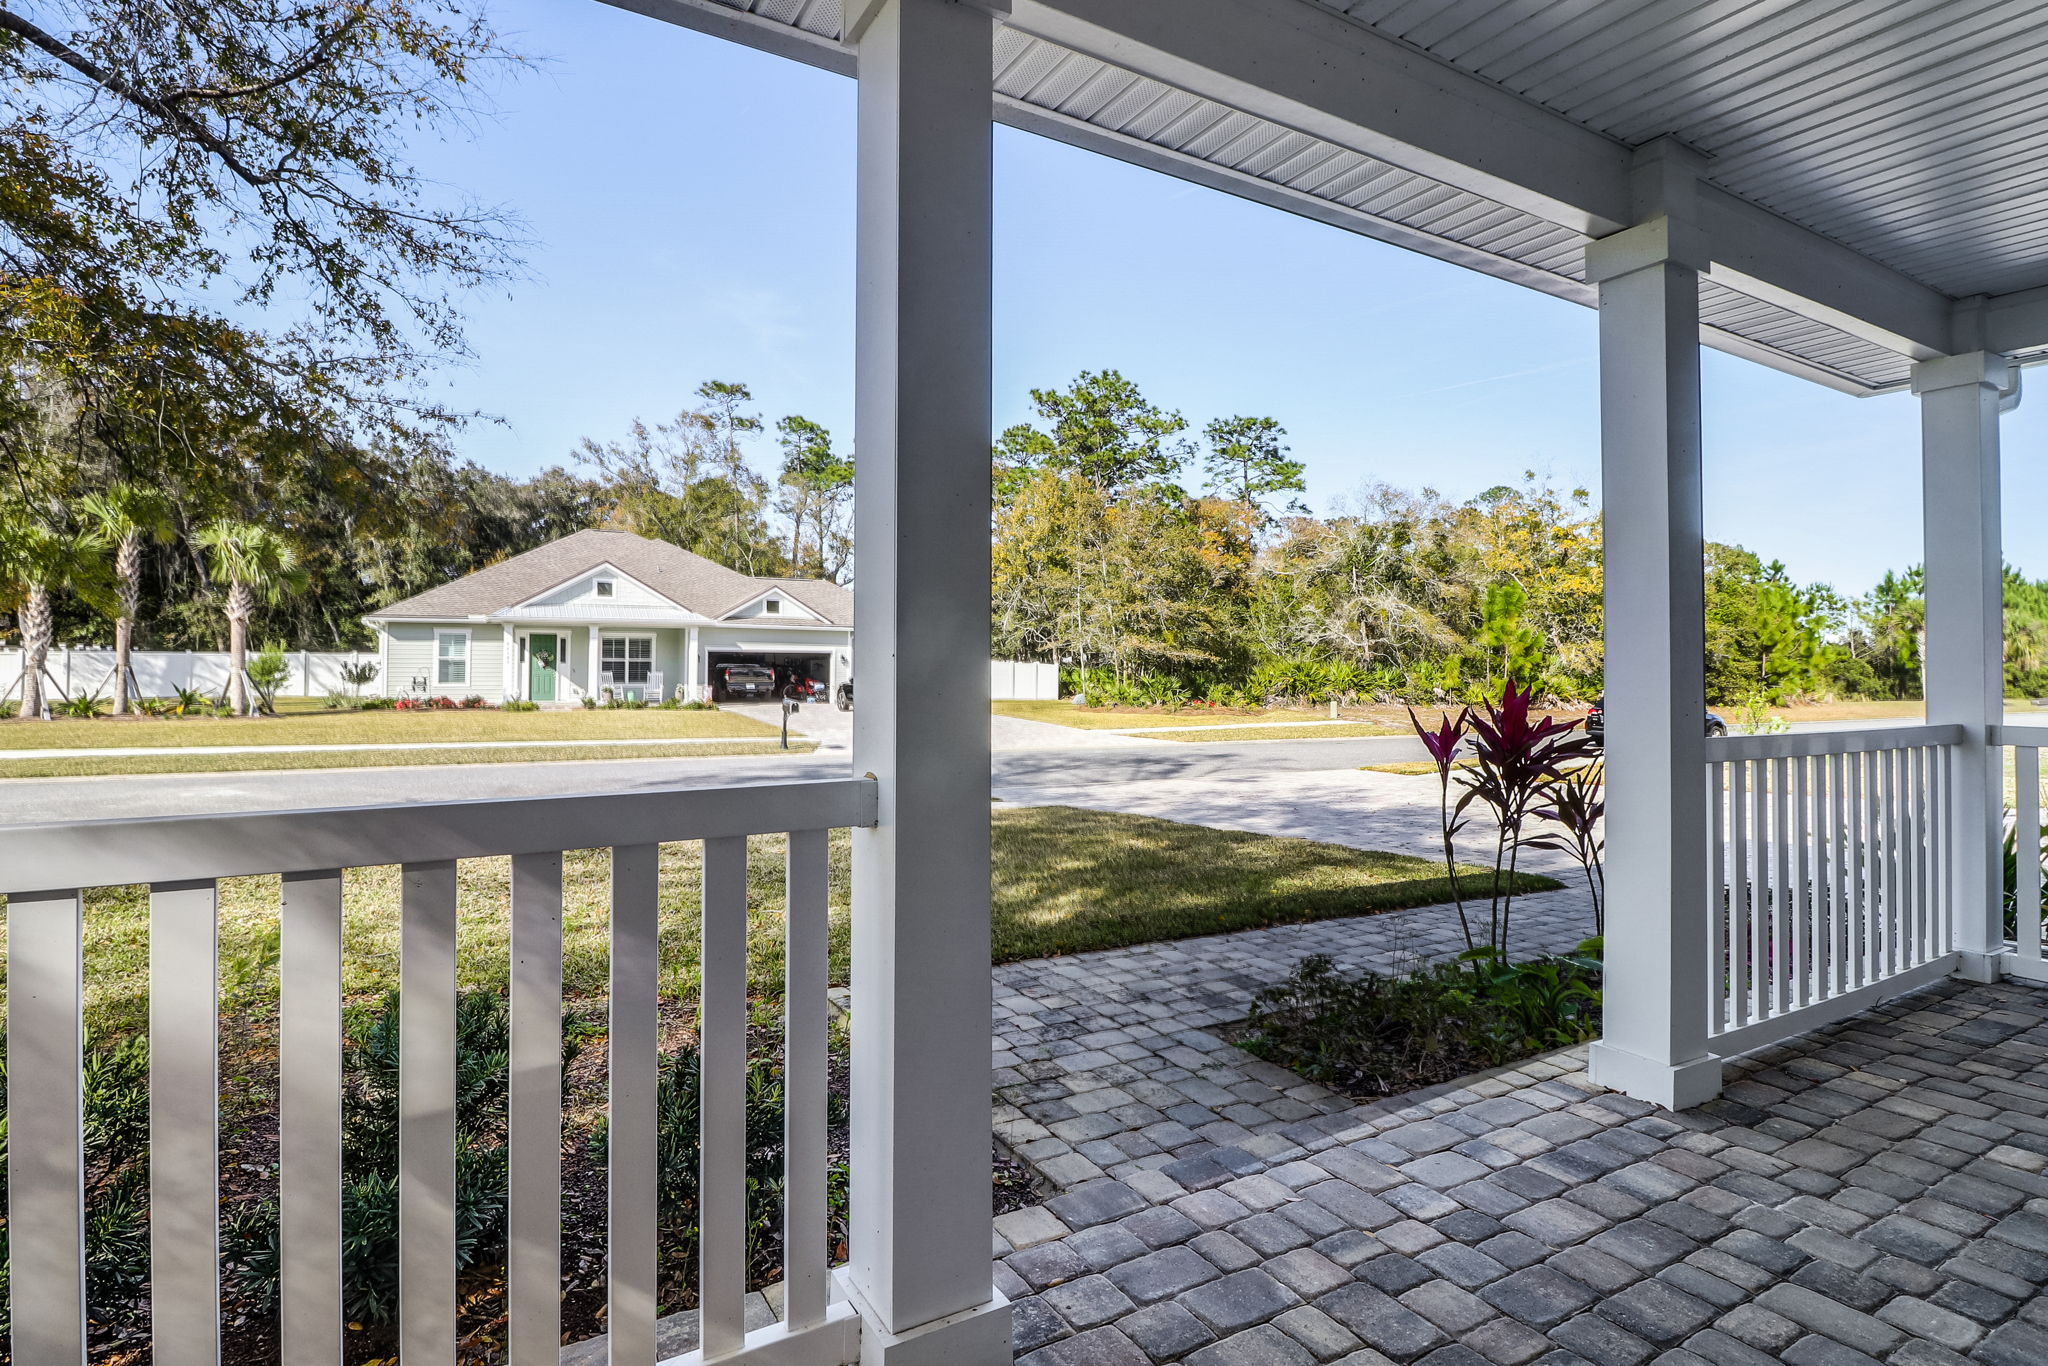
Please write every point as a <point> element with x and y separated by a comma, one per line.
<point>690,580</point>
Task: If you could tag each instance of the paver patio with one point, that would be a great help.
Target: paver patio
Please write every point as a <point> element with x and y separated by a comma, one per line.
<point>1871,1193</point>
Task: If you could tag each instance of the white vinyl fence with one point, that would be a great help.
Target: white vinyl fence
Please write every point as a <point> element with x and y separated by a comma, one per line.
<point>89,672</point>
<point>1022,681</point>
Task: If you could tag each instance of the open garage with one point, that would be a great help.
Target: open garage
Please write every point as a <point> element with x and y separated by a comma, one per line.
<point>812,667</point>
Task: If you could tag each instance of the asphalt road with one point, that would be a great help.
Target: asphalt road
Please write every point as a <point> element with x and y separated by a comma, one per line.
<point>1016,771</point>
<point>43,800</point>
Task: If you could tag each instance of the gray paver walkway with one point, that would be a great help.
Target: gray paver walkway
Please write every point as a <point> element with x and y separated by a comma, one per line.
<point>1105,1063</point>
<point>1874,1193</point>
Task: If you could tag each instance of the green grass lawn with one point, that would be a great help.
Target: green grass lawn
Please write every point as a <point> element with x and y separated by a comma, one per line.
<point>1066,880</point>
<point>172,761</point>
<point>379,727</point>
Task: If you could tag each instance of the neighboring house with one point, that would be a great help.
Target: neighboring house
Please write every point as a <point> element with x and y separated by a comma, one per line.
<point>608,609</point>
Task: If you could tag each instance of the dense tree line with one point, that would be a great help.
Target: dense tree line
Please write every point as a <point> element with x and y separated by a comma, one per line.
<point>366,529</point>
<point>1106,560</point>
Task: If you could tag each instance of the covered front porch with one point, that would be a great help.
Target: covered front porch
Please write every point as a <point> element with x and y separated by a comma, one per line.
<point>1687,172</point>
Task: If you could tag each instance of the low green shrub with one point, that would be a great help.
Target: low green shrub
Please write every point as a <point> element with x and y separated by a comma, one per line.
<point>677,1123</point>
<point>378,703</point>
<point>268,671</point>
<point>1379,1034</point>
<point>79,708</point>
<point>115,1080</point>
<point>520,704</point>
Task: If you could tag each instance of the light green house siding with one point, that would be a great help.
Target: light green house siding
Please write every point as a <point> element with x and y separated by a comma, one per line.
<point>411,653</point>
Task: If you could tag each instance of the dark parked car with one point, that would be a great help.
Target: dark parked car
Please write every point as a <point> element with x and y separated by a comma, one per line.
<point>1596,722</point>
<point>746,680</point>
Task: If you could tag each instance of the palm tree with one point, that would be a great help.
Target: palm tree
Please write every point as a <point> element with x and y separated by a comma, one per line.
<point>124,517</point>
<point>37,563</point>
<point>253,561</point>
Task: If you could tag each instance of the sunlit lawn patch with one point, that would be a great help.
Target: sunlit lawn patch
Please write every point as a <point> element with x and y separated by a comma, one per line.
<point>1066,880</point>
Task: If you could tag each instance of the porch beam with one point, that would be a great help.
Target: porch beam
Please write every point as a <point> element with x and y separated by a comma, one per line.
<point>1655,1041</point>
<point>1960,399</point>
<point>1305,67</point>
<point>920,1206</point>
<point>2004,322</point>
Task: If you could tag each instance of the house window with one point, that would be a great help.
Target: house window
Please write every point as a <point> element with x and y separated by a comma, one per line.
<point>627,659</point>
<point>451,657</point>
<point>773,605</point>
<point>604,588</point>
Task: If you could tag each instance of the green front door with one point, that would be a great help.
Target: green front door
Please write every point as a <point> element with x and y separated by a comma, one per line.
<point>541,651</point>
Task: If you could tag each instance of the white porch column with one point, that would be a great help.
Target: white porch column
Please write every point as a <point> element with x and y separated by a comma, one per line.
<point>920,1204</point>
<point>1655,1044</point>
<point>1965,650</point>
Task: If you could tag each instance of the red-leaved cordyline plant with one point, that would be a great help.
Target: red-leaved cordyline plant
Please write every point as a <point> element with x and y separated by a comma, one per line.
<point>1516,759</point>
<point>1442,744</point>
<point>1578,802</point>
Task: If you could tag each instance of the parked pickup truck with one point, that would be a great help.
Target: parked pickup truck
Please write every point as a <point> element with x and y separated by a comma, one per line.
<point>746,680</point>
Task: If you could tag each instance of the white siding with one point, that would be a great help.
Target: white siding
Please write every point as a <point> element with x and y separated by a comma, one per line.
<point>583,589</point>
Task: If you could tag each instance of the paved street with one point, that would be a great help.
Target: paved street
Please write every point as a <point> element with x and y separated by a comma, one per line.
<point>37,800</point>
<point>1032,759</point>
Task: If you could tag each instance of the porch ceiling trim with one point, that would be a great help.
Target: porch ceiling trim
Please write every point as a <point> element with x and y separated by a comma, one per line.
<point>1296,106</point>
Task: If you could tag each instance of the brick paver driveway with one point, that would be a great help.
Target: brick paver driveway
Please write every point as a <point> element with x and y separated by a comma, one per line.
<point>1872,1193</point>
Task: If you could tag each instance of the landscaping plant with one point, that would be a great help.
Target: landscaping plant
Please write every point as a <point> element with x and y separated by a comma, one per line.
<point>268,672</point>
<point>359,675</point>
<point>256,564</point>
<point>36,564</point>
<point>1578,804</point>
<point>124,516</point>
<point>1517,764</point>
<point>1378,1034</point>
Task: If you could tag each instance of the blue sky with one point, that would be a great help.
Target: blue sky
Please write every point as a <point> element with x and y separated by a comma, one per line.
<point>691,207</point>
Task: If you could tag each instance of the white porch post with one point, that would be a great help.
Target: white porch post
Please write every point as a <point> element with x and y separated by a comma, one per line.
<point>1655,1041</point>
<point>921,999</point>
<point>1965,650</point>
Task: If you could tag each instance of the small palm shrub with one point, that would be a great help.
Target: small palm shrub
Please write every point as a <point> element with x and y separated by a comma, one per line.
<point>79,708</point>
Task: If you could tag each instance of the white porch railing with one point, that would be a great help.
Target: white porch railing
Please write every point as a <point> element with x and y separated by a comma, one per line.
<point>44,870</point>
<point>1829,859</point>
<point>2026,743</point>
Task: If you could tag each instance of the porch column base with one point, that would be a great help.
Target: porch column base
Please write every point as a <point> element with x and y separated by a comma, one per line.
<point>1675,1086</point>
<point>1981,967</point>
<point>979,1336</point>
